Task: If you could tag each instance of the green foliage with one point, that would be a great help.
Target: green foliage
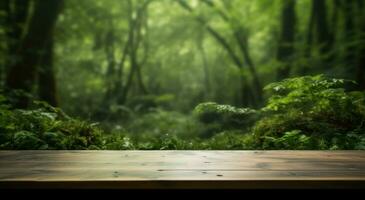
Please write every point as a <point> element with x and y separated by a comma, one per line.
<point>44,127</point>
<point>290,140</point>
<point>159,122</point>
<point>118,142</point>
<point>316,111</point>
<point>210,112</point>
<point>148,102</point>
<point>224,117</point>
<point>311,112</point>
<point>310,94</point>
<point>229,140</point>
<point>27,140</point>
<point>138,67</point>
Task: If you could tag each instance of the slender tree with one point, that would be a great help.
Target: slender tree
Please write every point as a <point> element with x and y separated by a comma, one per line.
<point>47,87</point>
<point>4,11</point>
<point>350,33</point>
<point>360,71</point>
<point>324,36</point>
<point>18,14</point>
<point>22,75</point>
<point>248,97</point>
<point>135,39</point>
<point>240,33</point>
<point>205,64</point>
<point>319,31</point>
<point>110,76</point>
<point>15,14</point>
<point>286,50</point>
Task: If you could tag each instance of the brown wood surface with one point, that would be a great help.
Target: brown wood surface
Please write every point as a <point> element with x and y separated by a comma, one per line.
<point>182,169</point>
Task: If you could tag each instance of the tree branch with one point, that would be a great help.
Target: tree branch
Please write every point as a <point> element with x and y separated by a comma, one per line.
<point>218,37</point>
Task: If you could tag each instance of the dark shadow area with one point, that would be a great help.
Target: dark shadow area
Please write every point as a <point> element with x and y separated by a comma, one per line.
<point>182,194</point>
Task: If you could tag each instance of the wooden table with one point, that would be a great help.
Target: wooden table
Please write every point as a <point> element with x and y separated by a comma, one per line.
<point>182,169</point>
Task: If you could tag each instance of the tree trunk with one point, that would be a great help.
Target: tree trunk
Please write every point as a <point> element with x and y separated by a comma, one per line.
<point>141,21</point>
<point>361,70</point>
<point>126,88</point>
<point>324,37</point>
<point>4,9</point>
<point>134,41</point>
<point>350,50</point>
<point>110,76</point>
<point>360,75</point>
<point>309,41</point>
<point>207,85</point>
<point>13,22</point>
<point>142,86</point>
<point>17,19</point>
<point>242,40</point>
<point>22,75</point>
<point>247,98</point>
<point>131,51</point>
<point>243,45</point>
<point>47,88</point>
<point>241,37</point>
<point>118,87</point>
<point>286,49</point>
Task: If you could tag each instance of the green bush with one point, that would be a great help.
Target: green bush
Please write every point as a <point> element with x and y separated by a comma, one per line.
<point>316,111</point>
<point>218,118</point>
<point>27,140</point>
<point>159,122</point>
<point>44,127</point>
<point>229,140</point>
<point>119,143</point>
<point>311,112</point>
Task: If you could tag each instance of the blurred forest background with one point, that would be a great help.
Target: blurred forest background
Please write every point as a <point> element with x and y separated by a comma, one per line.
<point>140,67</point>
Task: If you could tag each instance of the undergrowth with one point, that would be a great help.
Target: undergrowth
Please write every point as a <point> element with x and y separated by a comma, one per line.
<point>310,112</point>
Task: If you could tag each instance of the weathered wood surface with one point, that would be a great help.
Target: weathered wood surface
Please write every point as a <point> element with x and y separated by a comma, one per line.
<point>182,169</point>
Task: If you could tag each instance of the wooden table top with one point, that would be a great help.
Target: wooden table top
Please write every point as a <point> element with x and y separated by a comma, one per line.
<point>182,169</point>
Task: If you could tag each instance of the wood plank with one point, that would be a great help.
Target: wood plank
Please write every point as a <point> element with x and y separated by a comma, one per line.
<point>182,169</point>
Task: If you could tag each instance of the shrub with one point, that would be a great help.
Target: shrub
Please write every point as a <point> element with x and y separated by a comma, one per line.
<point>311,106</point>
<point>116,141</point>
<point>27,140</point>
<point>229,140</point>
<point>160,122</point>
<point>310,112</point>
<point>44,127</point>
<point>218,118</point>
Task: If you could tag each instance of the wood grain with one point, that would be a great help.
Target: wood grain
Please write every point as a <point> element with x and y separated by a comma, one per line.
<point>182,169</point>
